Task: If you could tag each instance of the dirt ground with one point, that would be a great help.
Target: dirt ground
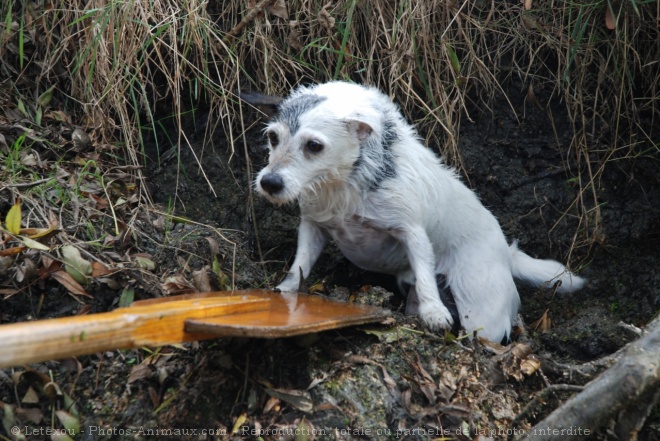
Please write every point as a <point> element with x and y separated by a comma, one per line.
<point>387,381</point>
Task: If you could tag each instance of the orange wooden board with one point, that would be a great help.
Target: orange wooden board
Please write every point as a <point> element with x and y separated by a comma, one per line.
<point>176,319</point>
<point>289,314</point>
<point>155,323</point>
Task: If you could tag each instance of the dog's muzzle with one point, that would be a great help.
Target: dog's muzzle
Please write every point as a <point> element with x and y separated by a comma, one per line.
<point>272,183</point>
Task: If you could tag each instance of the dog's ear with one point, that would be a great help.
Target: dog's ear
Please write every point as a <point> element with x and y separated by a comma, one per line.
<point>268,104</point>
<point>359,128</point>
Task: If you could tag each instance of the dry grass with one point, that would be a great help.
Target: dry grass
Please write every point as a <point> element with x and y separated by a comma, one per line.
<point>118,66</point>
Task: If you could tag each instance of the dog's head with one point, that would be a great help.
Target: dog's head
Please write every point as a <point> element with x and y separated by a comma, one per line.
<point>315,137</point>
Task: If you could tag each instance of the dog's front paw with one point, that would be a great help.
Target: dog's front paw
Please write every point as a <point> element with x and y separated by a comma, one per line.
<point>288,285</point>
<point>435,316</point>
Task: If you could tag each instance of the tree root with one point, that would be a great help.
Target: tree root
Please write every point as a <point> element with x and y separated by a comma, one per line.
<point>620,398</point>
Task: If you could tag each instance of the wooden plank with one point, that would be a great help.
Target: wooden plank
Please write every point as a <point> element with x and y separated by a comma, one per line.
<point>168,320</point>
<point>289,314</point>
<point>156,323</point>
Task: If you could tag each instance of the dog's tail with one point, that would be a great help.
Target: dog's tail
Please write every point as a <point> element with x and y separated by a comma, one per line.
<point>538,272</point>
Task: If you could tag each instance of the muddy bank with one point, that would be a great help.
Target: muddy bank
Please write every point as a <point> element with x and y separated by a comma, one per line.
<point>389,381</point>
<point>519,160</point>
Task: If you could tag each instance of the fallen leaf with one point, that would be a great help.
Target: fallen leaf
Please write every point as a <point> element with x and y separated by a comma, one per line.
<point>177,285</point>
<point>144,262</point>
<point>201,280</point>
<point>13,219</point>
<point>543,324</point>
<point>530,365</point>
<point>299,399</point>
<point>13,251</point>
<point>26,270</point>
<point>223,281</point>
<point>100,203</point>
<point>9,420</point>
<point>213,244</point>
<point>317,288</point>
<point>239,422</point>
<point>45,98</point>
<point>100,270</point>
<point>140,371</point>
<point>305,430</point>
<point>453,59</point>
<point>81,140</point>
<point>39,233</point>
<point>30,397</point>
<point>77,267</point>
<point>48,265</point>
<point>33,244</point>
<point>70,422</point>
<point>84,310</point>
<point>71,285</point>
<point>387,336</point>
<point>127,297</point>
<point>29,160</point>
<point>521,350</point>
<point>58,116</point>
<point>273,404</point>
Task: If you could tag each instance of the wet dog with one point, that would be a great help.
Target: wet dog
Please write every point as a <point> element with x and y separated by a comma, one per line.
<point>363,179</point>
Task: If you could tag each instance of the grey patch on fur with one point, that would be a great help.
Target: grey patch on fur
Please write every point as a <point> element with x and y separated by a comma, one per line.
<point>291,109</point>
<point>376,161</point>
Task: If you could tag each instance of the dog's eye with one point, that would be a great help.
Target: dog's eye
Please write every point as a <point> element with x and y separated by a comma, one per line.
<point>313,146</point>
<point>274,139</point>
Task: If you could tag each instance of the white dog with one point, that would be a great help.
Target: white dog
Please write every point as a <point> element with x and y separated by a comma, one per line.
<point>363,178</point>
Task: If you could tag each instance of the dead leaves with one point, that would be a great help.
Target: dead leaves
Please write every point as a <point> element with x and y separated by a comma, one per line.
<point>39,392</point>
<point>543,324</point>
<point>207,278</point>
<point>70,269</point>
<point>515,360</point>
<point>177,284</point>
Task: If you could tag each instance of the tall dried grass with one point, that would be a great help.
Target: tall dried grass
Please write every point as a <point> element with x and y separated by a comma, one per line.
<point>121,64</point>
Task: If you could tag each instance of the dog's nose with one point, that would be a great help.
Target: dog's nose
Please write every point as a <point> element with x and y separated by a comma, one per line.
<point>272,183</point>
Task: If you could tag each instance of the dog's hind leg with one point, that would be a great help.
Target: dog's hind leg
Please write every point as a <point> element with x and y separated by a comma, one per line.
<point>486,295</point>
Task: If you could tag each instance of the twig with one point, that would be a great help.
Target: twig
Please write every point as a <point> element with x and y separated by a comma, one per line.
<point>250,16</point>
<point>26,184</point>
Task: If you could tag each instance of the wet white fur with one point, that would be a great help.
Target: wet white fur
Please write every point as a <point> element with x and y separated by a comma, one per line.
<point>421,222</point>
